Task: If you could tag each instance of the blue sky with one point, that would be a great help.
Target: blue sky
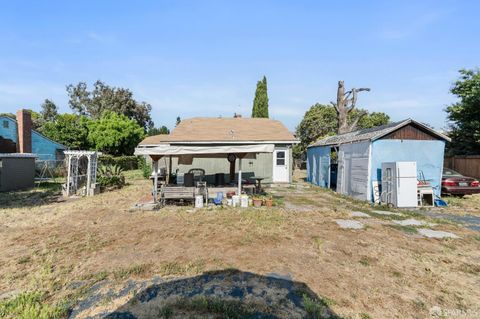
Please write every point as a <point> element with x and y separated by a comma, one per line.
<point>203,58</point>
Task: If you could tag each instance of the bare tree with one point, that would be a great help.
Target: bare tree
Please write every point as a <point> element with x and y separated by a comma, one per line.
<point>346,102</point>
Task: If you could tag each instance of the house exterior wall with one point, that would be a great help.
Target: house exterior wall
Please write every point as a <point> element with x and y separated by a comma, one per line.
<point>427,153</point>
<point>10,132</point>
<point>318,166</point>
<point>353,174</point>
<point>261,165</point>
<point>43,147</point>
<point>16,173</point>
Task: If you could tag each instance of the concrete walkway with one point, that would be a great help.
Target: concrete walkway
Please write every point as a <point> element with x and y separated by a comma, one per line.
<point>469,221</point>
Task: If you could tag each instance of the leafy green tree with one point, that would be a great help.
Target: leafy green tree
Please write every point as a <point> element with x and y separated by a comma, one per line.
<point>321,121</point>
<point>49,110</point>
<point>115,134</point>
<point>157,131</point>
<point>464,115</point>
<point>373,119</point>
<point>260,102</point>
<point>37,121</point>
<point>105,98</point>
<point>70,130</point>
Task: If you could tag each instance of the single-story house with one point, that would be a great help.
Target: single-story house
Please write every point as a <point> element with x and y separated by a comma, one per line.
<point>17,136</point>
<point>350,163</point>
<point>216,145</point>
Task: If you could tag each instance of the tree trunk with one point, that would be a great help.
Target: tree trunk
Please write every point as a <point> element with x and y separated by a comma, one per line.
<point>342,112</point>
<point>343,108</point>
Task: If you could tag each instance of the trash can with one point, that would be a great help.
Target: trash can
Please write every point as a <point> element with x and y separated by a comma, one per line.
<point>219,179</point>
<point>188,180</point>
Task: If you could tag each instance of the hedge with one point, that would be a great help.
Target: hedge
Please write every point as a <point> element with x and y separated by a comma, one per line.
<point>125,162</point>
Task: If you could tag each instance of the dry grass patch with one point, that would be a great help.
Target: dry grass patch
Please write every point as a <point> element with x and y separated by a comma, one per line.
<point>380,272</point>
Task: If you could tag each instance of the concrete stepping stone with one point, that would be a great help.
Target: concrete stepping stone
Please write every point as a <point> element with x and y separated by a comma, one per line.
<point>349,224</point>
<point>430,233</point>
<point>410,222</point>
<point>384,212</point>
<point>359,214</point>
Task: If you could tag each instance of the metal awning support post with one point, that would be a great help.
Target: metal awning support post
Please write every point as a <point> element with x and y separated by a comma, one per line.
<point>155,159</point>
<point>240,175</point>
<point>155,180</point>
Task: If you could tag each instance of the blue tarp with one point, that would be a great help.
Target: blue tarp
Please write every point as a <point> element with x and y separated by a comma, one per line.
<point>427,153</point>
<point>318,166</point>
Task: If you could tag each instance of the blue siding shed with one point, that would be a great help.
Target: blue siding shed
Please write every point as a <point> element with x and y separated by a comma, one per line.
<point>361,154</point>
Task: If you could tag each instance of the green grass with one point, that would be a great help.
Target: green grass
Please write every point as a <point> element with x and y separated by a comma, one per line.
<point>181,269</point>
<point>301,200</point>
<point>133,174</point>
<point>136,270</point>
<point>406,229</point>
<point>387,217</point>
<point>317,243</point>
<point>31,305</point>
<point>208,306</point>
<point>316,309</point>
<point>39,195</point>
<point>365,261</point>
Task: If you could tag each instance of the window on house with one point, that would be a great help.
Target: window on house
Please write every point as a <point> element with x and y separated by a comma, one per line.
<point>280,158</point>
<point>5,124</point>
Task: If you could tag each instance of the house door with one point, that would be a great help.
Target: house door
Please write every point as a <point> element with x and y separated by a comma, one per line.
<point>281,163</point>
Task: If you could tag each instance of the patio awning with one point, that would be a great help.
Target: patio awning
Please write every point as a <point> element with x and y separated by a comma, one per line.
<point>178,150</point>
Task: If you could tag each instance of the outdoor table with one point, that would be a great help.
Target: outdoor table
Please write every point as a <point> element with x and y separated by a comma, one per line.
<point>258,183</point>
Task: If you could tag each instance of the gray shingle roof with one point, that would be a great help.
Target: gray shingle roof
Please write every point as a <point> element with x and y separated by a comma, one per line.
<point>372,134</point>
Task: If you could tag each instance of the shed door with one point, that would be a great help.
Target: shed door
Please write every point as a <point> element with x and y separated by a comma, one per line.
<point>281,164</point>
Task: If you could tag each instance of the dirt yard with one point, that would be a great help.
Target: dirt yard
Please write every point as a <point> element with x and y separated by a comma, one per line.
<point>61,250</point>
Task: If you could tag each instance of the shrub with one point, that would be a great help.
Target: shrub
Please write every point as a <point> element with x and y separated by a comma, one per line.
<point>145,167</point>
<point>111,177</point>
<point>127,163</point>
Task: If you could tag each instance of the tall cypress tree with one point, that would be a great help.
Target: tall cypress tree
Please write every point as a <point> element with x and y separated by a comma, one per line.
<point>260,102</point>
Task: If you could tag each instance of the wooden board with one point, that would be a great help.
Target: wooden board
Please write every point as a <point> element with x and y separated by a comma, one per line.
<point>410,132</point>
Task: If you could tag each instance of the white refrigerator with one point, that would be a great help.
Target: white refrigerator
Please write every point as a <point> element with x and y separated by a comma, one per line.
<point>399,184</point>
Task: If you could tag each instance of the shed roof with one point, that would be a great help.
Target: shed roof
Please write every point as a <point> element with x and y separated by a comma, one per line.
<point>17,155</point>
<point>374,133</point>
<point>225,130</point>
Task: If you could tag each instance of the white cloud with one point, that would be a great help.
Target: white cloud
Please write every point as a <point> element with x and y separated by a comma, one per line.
<point>408,26</point>
<point>101,38</point>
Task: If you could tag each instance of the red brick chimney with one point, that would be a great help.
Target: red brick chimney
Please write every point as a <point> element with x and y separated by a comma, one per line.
<point>24,130</point>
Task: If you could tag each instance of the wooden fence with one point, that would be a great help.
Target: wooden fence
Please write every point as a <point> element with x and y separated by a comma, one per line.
<point>466,165</point>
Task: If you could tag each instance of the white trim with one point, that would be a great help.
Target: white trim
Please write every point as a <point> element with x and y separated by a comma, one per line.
<point>369,173</point>
<point>17,155</point>
<point>177,150</point>
<point>220,142</point>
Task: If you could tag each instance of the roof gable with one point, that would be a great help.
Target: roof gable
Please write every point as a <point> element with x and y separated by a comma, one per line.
<point>376,133</point>
<point>225,130</point>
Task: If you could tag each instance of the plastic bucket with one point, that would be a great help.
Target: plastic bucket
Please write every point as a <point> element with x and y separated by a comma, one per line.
<point>199,201</point>
<point>243,201</point>
<point>235,200</point>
